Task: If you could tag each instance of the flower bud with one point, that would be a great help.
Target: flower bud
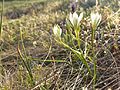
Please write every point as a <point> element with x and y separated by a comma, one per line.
<point>95,19</point>
<point>57,31</point>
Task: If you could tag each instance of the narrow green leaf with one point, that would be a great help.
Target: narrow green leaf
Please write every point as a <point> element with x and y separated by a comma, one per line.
<point>1,19</point>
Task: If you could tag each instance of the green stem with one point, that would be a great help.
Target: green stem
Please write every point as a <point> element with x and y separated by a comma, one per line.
<point>1,67</point>
<point>77,33</point>
<point>92,38</point>
<point>93,55</point>
<point>1,19</point>
<point>95,69</point>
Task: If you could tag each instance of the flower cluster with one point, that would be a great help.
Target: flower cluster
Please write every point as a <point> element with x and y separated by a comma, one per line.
<point>75,22</point>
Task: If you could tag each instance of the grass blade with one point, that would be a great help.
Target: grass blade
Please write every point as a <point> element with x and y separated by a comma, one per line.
<point>1,19</point>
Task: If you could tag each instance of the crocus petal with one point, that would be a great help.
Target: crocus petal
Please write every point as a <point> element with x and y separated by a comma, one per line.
<point>60,31</point>
<point>80,17</point>
<point>93,17</point>
<point>75,19</point>
<point>57,30</point>
<point>99,19</point>
<point>71,18</point>
<point>75,16</point>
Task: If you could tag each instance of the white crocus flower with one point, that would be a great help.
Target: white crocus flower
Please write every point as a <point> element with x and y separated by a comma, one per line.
<point>95,18</point>
<point>57,31</point>
<point>75,19</point>
<point>76,0</point>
